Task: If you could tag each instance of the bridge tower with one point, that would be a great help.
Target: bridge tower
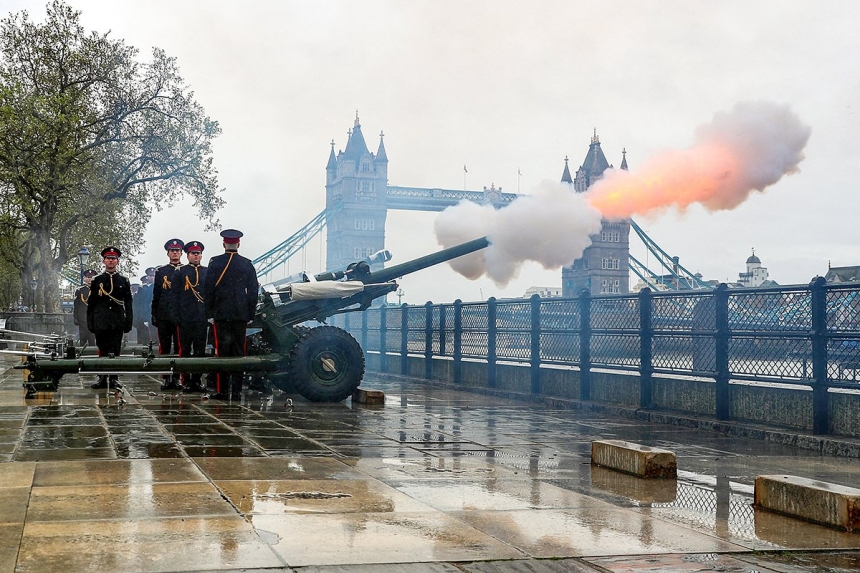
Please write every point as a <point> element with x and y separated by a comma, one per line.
<point>358,180</point>
<point>604,266</point>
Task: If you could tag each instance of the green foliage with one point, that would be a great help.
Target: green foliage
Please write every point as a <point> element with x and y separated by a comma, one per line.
<point>91,139</point>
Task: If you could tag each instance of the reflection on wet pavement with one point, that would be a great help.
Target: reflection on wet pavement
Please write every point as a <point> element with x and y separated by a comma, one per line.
<point>174,483</point>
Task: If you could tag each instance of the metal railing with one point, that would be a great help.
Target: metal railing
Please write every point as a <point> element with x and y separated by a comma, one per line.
<point>807,335</point>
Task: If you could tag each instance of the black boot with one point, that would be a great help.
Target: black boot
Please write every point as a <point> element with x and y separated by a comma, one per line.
<point>114,382</point>
<point>194,385</point>
<point>100,384</point>
<point>168,383</point>
<point>236,391</point>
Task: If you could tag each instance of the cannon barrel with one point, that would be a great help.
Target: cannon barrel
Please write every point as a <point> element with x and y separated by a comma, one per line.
<point>415,265</point>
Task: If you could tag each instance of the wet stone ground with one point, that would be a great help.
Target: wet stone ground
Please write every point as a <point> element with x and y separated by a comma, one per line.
<point>435,480</point>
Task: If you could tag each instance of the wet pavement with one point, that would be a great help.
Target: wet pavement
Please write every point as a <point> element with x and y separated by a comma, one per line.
<point>435,480</point>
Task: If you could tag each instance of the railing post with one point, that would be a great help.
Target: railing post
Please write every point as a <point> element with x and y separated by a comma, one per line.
<point>820,399</point>
<point>492,352</point>
<point>428,340</point>
<point>535,346</point>
<point>646,348</point>
<point>442,349</point>
<point>722,336</point>
<point>383,335</point>
<point>458,341</point>
<point>404,339</point>
<point>585,345</point>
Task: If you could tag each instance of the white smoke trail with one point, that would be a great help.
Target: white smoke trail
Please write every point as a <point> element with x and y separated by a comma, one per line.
<point>551,227</point>
<point>745,150</point>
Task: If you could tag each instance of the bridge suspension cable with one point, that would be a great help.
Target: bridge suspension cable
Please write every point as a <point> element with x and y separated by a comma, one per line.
<point>681,277</point>
<point>279,255</point>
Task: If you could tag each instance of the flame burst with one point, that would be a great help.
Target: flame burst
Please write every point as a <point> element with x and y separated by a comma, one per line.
<point>745,150</point>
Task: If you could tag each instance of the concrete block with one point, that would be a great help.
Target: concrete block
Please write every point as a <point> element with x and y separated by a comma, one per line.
<point>812,500</point>
<point>370,397</point>
<point>636,459</point>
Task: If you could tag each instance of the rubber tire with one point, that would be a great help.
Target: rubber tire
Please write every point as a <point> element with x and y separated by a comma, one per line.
<point>307,373</point>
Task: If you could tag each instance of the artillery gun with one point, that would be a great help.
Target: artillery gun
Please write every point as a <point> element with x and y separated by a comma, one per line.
<point>322,363</point>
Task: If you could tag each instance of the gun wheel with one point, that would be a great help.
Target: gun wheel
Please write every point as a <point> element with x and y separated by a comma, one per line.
<point>326,364</point>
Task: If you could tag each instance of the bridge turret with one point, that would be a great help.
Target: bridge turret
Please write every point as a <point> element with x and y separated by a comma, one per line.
<point>357,185</point>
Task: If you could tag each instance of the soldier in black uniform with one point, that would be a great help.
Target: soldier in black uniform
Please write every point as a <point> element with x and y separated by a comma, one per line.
<point>79,309</point>
<point>109,311</point>
<point>143,308</point>
<point>187,292</point>
<point>163,313</point>
<point>230,295</point>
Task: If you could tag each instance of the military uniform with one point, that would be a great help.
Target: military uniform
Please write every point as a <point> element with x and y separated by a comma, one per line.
<point>79,311</point>
<point>109,311</point>
<point>230,294</point>
<point>187,293</point>
<point>163,313</point>
<point>143,309</point>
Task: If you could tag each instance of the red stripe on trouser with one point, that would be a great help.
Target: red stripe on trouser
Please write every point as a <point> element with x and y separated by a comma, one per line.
<point>217,353</point>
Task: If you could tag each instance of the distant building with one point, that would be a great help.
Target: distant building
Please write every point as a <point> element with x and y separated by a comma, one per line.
<point>543,292</point>
<point>755,275</point>
<point>842,274</point>
<point>604,267</point>
<point>670,282</point>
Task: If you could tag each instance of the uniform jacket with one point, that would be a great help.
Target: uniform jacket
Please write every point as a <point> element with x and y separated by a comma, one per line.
<point>187,293</point>
<point>79,306</point>
<point>143,304</point>
<point>230,289</point>
<point>110,305</point>
<point>162,302</point>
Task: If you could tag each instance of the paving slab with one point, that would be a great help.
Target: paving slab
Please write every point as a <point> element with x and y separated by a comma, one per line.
<point>10,541</point>
<point>97,472</point>
<point>143,545</point>
<point>391,537</point>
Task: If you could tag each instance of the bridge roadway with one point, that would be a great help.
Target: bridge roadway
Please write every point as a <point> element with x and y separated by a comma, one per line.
<point>435,480</point>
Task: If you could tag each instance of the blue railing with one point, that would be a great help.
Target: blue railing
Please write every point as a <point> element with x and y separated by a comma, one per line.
<point>806,335</point>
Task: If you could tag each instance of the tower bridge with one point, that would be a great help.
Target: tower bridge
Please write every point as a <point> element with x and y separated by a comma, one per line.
<point>358,198</point>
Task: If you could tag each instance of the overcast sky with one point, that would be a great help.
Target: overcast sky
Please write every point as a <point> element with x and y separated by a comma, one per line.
<point>502,86</point>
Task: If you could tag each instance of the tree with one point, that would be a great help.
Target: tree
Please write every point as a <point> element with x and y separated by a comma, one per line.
<point>91,139</point>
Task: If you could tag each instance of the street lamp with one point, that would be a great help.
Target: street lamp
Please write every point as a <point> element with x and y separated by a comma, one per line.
<point>33,284</point>
<point>83,257</point>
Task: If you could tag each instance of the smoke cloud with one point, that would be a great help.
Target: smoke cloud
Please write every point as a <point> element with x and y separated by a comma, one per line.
<point>551,226</point>
<point>739,152</point>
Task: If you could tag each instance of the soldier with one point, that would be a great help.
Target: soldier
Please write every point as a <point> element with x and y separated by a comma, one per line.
<point>230,296</point>
<point>163,313</point>
<point>109,311</point>
<point>142,308</point>
<point>79,309</point>
<point>187,295</point>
